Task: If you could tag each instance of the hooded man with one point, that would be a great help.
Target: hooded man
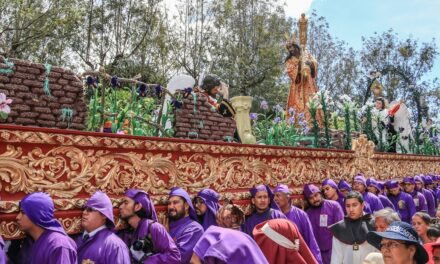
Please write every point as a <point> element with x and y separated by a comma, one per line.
<point>2,253</point>
<point>148,241</point>
<point>402,201</point>
<point>430,200</point>
<point>331,192</point>
<point>206,205</point>
<point>50,242</point>
<point>322,214</point>
<point>281,242</point>
<point>344,188</point>
<point>375,188</point>
<point>371,202</point>
<point>350,235</point>
<point>223,245</point>
<point>264,208</point>
<point>184,228</point>
<point>419,199</point>
<point>298,217</point>
<point>98,243</point>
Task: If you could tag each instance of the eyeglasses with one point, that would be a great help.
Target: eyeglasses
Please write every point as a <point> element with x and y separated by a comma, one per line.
<point>389,245</point>
<point>89,209</point>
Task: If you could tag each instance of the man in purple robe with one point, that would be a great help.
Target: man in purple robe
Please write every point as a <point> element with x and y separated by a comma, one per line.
<point>409,186</point>
<point>430,200</point>
<point>331,192</point>
<point>98,243</point>
<point>206,205</point>
<point>264,208</point>
<point>375,188</point>
<point>371,202</point>
<point>322,214</point>
<point>344,188</point>
<point>50,242</point>
<point>226,246</point>
<point>184,228</point>
<point>147,239</point>
<point>402,201</point>
<point>298,217</point>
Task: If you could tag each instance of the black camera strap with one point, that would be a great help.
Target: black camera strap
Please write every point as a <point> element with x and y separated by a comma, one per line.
<point>149,237</point>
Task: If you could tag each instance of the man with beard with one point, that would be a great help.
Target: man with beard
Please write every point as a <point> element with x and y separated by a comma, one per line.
<point>419,200</point>
<point>372,202</point>
<point>264,208</point>
<point>298,217</point>
<point>322,213</point>
<point>350,235</point>
<point>375,188</point>
<point>148,241</point>
<point>183,225</point>
<point>402,201</point>
<point>430,200</point>
<point>206,205</point>
<point>331,192</point>
<point>98,243</point>
<point>50,243</point>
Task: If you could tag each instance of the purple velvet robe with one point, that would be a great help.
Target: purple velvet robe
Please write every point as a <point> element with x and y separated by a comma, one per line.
<point>419,201</point>
<point>374,203</point>
<point>256,218</point>
<point>185,232</point>
<point>385,201</point>
<point>301,220</point>
<point>404,205</point>
<point>164,246</point>
<point>2,253</point>
<point>222,245</point>
<point>430,201</point>
<point>103,247</point>
<point>53,247</point>
<point>333,212</point>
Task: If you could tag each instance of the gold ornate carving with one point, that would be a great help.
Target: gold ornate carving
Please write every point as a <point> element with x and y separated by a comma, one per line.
<point>72,167</point>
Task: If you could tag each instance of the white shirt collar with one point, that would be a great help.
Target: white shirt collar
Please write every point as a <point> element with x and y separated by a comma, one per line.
<point>91,234</point>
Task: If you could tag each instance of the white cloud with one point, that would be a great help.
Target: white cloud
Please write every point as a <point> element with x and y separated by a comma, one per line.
<point>294,8</point>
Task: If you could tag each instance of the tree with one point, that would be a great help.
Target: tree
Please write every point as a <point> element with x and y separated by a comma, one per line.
<point>403,64</point>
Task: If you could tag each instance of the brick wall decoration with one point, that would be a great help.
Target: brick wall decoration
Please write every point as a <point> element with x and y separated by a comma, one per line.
<point>31,106</point>
<point>200,121</point>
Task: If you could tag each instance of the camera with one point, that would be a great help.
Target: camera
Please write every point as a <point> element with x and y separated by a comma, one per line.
<point>144,245</point>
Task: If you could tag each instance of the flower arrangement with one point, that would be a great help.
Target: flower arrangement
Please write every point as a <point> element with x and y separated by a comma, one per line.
<point>314,104</point>
<point>347,106</point>
<point>5,110</point>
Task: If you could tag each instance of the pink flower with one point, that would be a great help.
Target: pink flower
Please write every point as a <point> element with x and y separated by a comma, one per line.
<point>4,107</point>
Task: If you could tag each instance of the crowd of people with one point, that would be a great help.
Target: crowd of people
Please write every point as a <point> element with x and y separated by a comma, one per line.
<point>367,221</point>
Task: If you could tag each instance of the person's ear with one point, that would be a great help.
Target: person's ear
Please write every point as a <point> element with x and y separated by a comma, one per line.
<point>253,200</point>
<point>137,207</point>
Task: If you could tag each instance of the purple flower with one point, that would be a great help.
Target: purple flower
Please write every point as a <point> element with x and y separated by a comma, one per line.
<point>90,81</point>
<point>158,90</point>
<point>253,116</point>
<point>4,107</point>
<point>187,91</point>
<point>264,105</point>
<point>301,116</point>
<point>142,90</point>
<point>176,104</point>
<point>277,120</point>
<point>115,81</point>
<point>291,120</point>
<point>291,111</point>
<point>278,108</point>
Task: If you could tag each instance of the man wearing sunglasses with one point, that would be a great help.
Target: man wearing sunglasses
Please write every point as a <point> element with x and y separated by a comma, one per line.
<point>99,244</point>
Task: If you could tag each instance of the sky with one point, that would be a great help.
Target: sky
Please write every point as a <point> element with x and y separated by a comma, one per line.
<point>349,20</point>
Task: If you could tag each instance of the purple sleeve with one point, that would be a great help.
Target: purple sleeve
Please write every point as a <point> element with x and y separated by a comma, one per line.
<point>430,201</point>
<point>62,255</point>
<point>376,204</point>
<point>305,228</point>
<point>167,251</point>
<point>187,241</point>
<point>386,202</point>
<point>338,213</point>
<point>411,207</point>
<point>422,203</point>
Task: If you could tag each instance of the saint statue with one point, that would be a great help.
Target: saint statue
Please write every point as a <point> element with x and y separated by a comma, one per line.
<point>302,69</point>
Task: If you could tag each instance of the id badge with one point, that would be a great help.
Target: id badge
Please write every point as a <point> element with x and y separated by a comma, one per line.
<point>323,220</point>
<point>416,201</point>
